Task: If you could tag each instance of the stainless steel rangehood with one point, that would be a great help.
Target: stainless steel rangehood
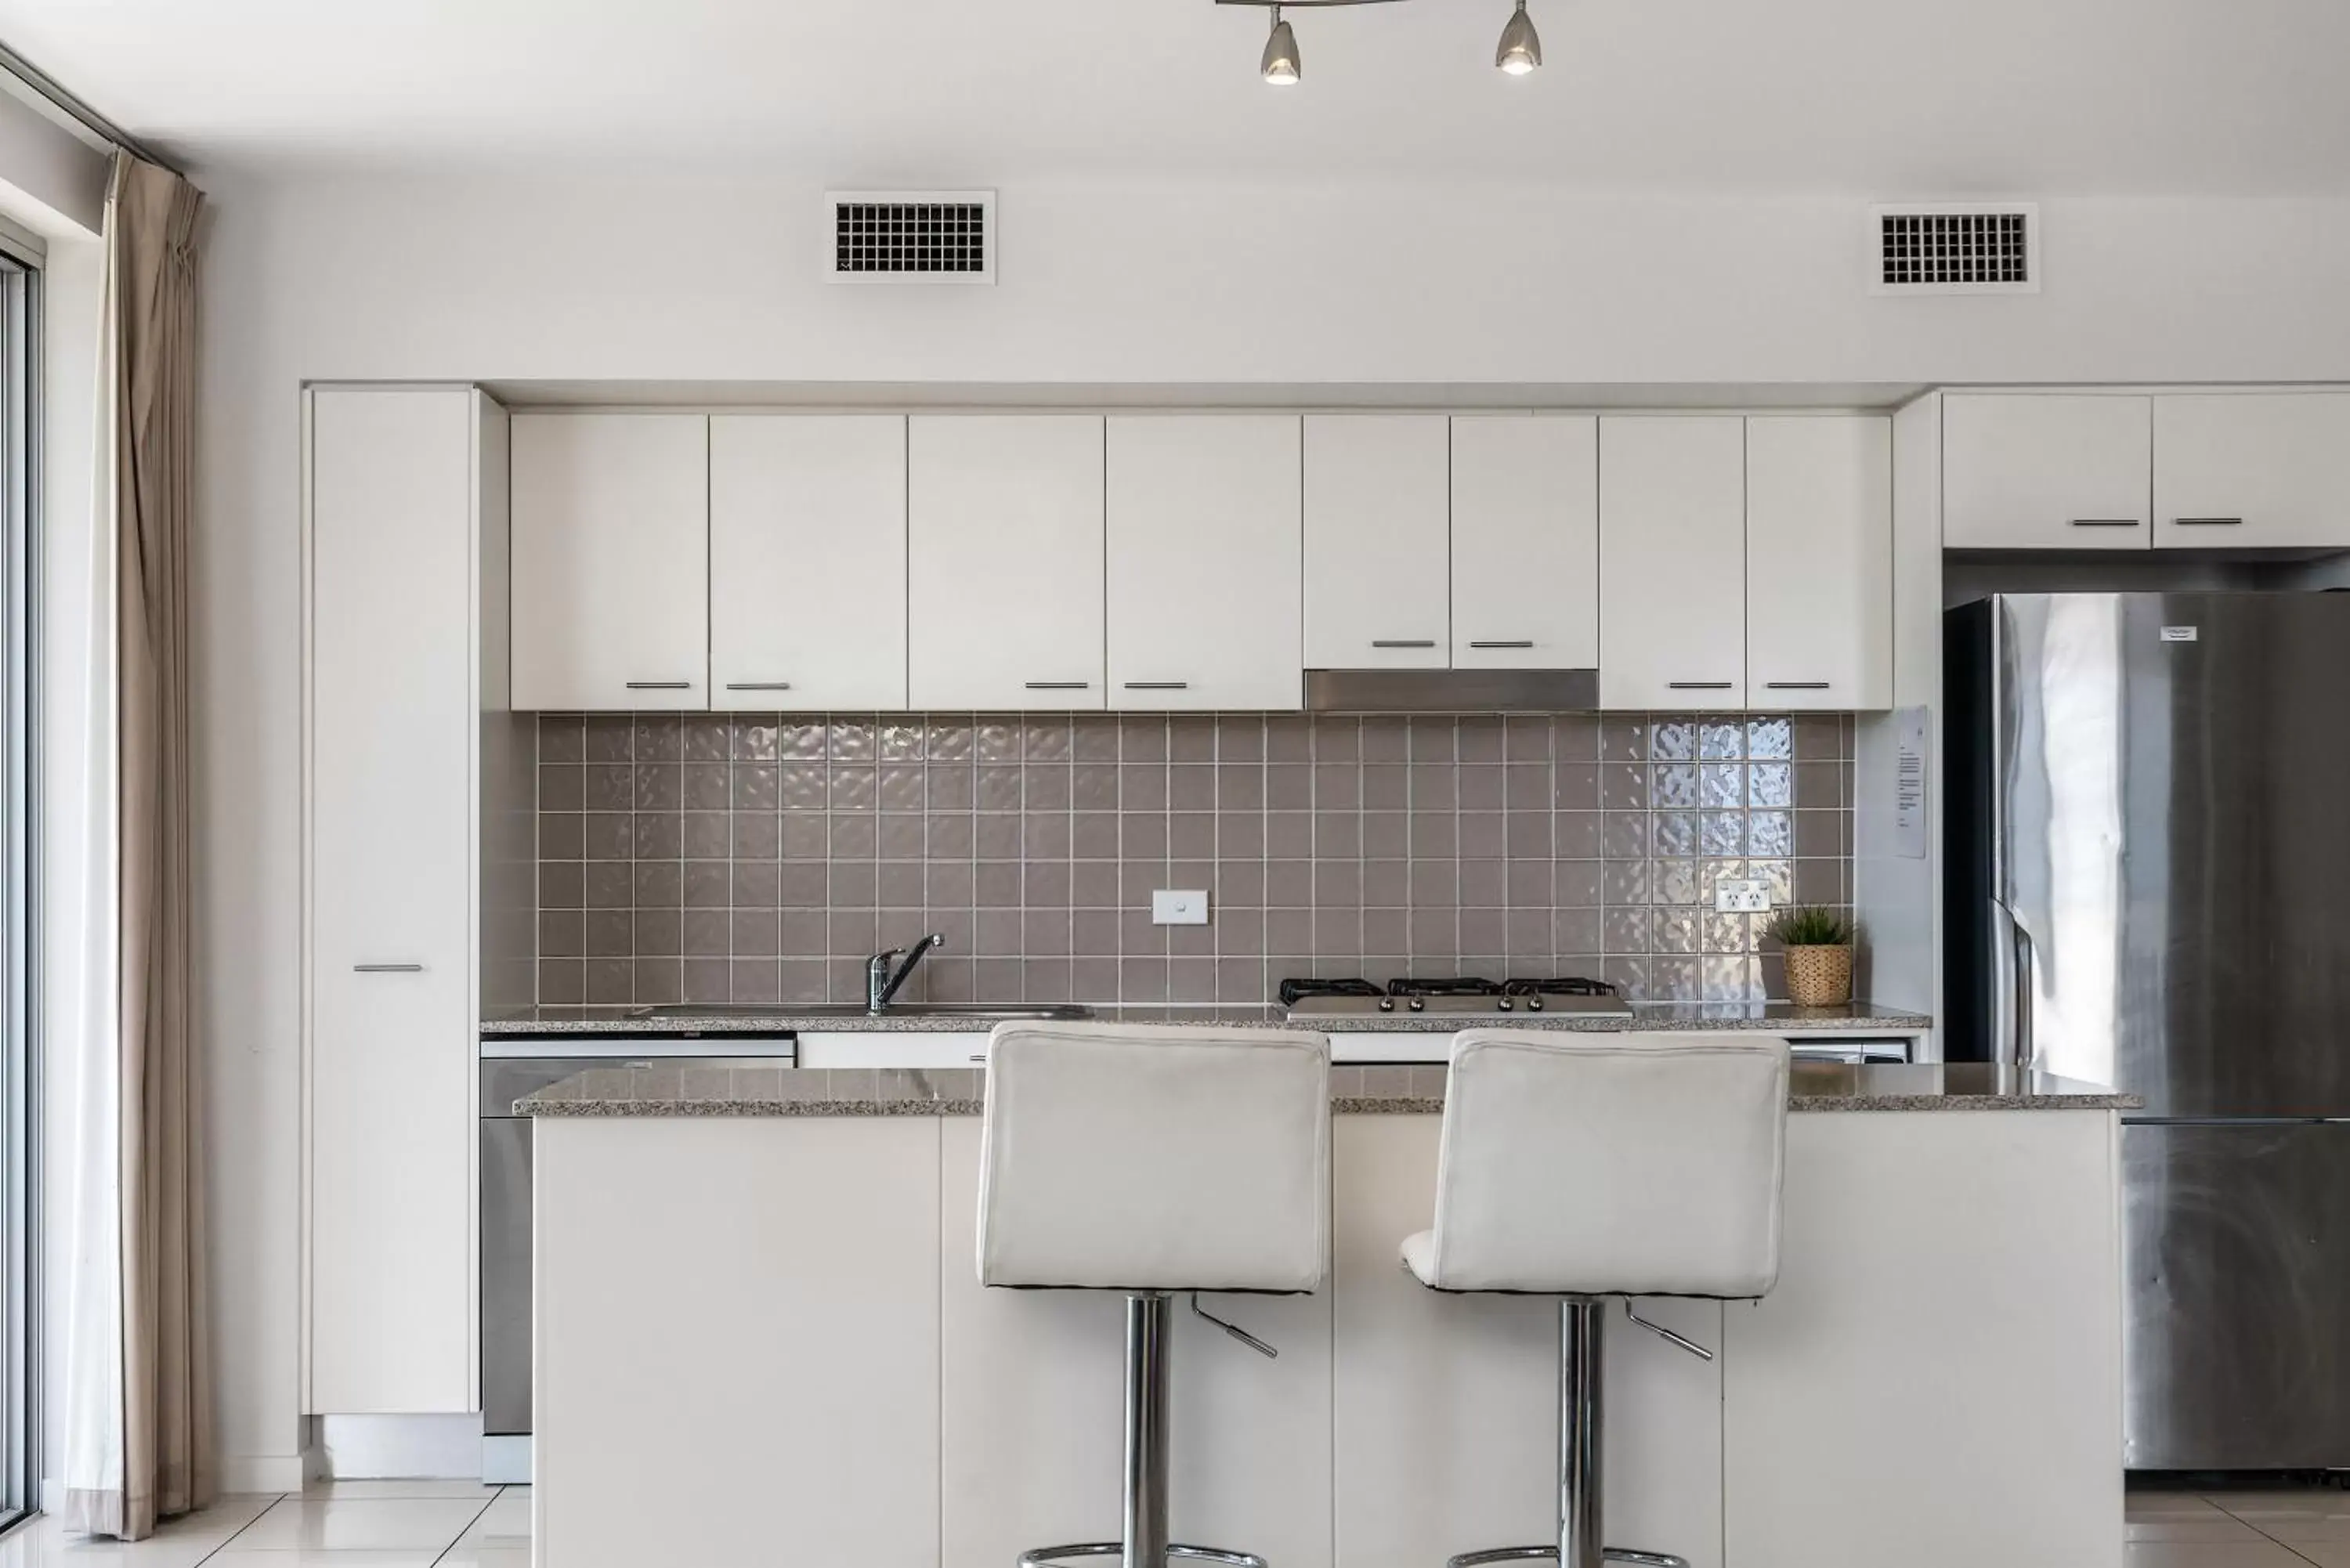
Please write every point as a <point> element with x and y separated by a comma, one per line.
<point>1451,690</point>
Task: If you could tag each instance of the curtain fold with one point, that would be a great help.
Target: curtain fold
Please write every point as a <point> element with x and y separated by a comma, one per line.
<point>145,1444</point>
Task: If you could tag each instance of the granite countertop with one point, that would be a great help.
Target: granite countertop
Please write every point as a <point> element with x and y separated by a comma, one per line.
<point>669,1091</point>
<point>1777,1016</point>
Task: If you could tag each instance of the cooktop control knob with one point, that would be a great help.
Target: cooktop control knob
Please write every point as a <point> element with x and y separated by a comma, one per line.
<point>1418,1004</point>
<point>1386,1004</point>
<point>1503,1004</point>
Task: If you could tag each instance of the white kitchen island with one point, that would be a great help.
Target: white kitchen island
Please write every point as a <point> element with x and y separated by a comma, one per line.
<point>761,1340</point>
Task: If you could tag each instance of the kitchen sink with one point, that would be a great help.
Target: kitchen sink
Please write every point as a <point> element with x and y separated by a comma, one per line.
<point>981,1012</point>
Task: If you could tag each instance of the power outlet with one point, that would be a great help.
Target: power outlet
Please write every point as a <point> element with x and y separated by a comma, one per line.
<point>1179,907</point>
<point>1741,895</point>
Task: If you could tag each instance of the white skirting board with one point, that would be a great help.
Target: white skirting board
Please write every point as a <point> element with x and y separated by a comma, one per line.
<point>398,1448</point>
<point>246,1473</point>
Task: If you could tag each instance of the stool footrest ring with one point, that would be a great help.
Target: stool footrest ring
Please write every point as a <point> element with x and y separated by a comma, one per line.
<point>1525,1554</point>
<point>1045,1556</point>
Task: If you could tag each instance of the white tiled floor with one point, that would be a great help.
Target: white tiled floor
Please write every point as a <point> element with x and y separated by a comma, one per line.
<point>329,1524</point>
<point>456,1525</point>
<point>2271,1529</point>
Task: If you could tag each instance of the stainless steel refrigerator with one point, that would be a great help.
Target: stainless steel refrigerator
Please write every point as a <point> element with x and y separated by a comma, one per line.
<point>2147,874</point>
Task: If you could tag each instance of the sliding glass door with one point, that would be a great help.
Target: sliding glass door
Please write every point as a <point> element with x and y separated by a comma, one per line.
<point>19,1163</point>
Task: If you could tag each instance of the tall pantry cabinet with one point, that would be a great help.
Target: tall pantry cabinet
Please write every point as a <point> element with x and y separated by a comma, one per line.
<point>415,881</point>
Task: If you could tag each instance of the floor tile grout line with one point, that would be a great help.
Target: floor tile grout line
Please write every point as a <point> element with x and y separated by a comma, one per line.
<point>2255,1528</point>
<point>240,1529</point>
<point>486,1504</point>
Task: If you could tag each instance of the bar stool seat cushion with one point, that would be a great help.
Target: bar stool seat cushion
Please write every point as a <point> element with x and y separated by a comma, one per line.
<point>1134,1157</point>
<point>1609,1164</point>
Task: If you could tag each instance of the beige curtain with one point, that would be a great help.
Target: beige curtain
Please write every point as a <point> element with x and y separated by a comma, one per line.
<point>167,1417</point>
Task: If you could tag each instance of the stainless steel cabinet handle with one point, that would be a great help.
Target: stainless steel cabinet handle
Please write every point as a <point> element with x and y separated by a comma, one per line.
<point>1158,686</point>
<point>660,685</point>
<point>2105,522</point>
<point>1527,643</point>
<point>1699,685</point>
<point>387,968</point>
<point>1796,685</point>
<point>1060,685</point>
<point>2207,522</point>
<point>1403,642</point>
<point>758,686</point>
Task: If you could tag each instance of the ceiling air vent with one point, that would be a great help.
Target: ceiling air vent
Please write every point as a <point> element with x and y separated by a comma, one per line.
<point>917,236</point>
<point>1955,248</point>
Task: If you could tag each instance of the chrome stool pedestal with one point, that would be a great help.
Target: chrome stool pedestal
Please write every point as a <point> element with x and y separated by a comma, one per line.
<point>1582,1322</point>
<point>1145,1544</point>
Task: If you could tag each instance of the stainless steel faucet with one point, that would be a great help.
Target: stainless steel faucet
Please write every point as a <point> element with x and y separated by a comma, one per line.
<point>882,982</point>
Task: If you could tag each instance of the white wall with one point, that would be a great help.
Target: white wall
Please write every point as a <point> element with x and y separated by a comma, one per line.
<point>1286,282</point>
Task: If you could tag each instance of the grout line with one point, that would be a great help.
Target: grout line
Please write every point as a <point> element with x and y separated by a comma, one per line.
<point>241,1529</point>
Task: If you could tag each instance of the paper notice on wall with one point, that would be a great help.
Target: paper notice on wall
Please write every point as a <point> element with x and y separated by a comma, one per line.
<point>1911,771</point>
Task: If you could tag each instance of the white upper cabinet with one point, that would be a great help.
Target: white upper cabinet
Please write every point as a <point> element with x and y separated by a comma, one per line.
<point>612,561</point>
<point>2259,470</point>
<point>1205,562</point>
<point>2046,471</point>
<point>1526,542</point>
<point>1377,549</point>
<point>1819,561</point>
<point>1672,560</point>
<point>807,561</point>
<point>1004,585</point>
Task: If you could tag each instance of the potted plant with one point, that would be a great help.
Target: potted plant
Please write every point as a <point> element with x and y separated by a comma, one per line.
<point>1818,942</point>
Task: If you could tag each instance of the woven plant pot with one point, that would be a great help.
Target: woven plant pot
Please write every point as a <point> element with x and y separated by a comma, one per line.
<point>1819,977</point>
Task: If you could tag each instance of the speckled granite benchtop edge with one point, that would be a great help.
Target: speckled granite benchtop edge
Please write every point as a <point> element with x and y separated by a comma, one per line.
<point>1371,1090</point>
<point>1860,1017</point>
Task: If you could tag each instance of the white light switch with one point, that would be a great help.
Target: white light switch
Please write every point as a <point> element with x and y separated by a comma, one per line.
<point>1178,909</point>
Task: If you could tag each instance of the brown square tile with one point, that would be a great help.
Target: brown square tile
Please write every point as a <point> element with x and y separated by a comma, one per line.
<point>562,738</point>
<point>1093,884</point>
<point>657,884</point>
<point>562,933</point>
<point>856,836</point>
<point>855,883</point>
<point>560,885</point>
<point>562,981</point>
<point>703,980</point>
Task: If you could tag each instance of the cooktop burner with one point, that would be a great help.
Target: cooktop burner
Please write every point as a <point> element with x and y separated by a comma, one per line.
<point>1466,997</point>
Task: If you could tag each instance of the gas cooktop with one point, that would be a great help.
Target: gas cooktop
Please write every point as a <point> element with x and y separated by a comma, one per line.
<point>1465,997</point>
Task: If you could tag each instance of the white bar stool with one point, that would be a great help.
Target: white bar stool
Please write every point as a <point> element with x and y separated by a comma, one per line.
<point>1150,1161</point>
<point>1587,1166</point>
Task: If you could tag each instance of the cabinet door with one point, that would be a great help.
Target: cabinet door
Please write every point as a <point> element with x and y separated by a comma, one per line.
<point>1526,542</point>
<point>2263,469</point>
<point>1819,561</point>
<point>740,1317</point>
<point>1991,1237</point>
<point>390,887</point>
<point>1377,556</point>
<point>1445,1408</point>
<point>807,561</point>
<point>1031,1413</point>
<point>612,561</point>
<point>1672,561</point>
<point>1205,562</point>
<point>1004,525</point>
<point>2029,471</point>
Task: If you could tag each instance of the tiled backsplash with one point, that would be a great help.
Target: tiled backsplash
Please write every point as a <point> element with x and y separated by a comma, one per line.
<point>759,857</point>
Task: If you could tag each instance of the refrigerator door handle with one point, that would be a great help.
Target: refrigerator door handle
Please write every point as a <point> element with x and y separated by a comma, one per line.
<point>2011,949</point>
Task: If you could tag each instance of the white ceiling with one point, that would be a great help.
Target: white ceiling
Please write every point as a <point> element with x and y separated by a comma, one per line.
<point>1891,97</point>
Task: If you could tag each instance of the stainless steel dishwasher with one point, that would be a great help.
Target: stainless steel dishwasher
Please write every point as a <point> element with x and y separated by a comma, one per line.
<point>511,1069</point>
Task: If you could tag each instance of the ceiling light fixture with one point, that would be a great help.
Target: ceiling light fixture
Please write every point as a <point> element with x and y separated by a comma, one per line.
<point>1281,65</point>
<point>1521,49</point>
